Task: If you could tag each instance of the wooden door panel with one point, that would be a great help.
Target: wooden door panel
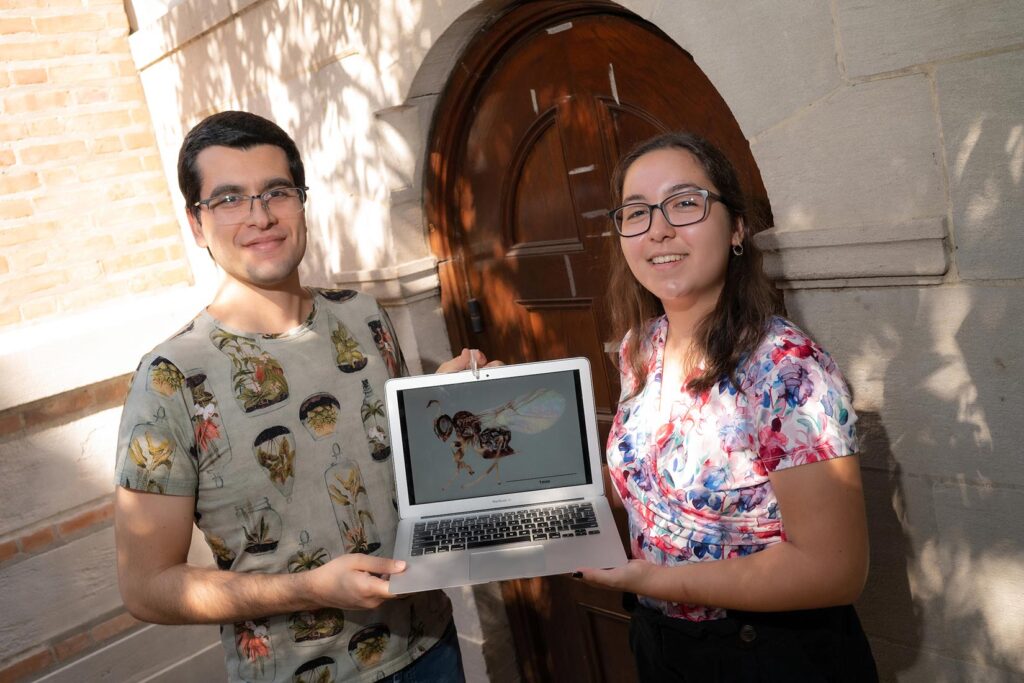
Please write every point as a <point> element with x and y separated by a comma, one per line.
<point>569,327</point>
<point>542,203</point>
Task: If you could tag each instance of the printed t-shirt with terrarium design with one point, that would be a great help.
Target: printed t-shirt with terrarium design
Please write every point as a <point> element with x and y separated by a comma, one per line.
<point>282,442</point>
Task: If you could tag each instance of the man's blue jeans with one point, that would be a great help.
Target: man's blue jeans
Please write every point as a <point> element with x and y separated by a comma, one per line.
<point>440,664</point>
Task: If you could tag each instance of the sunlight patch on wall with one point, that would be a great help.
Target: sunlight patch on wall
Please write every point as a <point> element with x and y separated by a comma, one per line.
<point>1015,151</point>
<point>997,581</point>
<point>868,370</point>
<point>952,383</point>
<point>968,587</point>
<point>963,155</point>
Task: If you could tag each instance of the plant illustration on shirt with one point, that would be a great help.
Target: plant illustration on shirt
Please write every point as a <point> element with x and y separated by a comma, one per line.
<point>151,449</point>
<point>319,414</point>
<point>311,625</point>
<point>348,496</point>
<point>211,451</point>
<point>385,345</point>
<point>315,625</point>
<point>255,652</point>
<point>347,353</point>
<point>257,378</point>
<point>164,377</point>
<point>274,449</point>
<point>261,526</point>
<point>367,646</point>
<point>157,453</point>
<point>303,560</point>
<point>489,432</point>
<point>372,414</point>
<point>222,554</point>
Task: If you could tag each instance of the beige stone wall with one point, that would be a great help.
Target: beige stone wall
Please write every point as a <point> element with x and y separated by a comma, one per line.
<point>891,141</point>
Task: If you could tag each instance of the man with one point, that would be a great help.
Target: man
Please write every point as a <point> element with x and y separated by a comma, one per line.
<point>249,422</point>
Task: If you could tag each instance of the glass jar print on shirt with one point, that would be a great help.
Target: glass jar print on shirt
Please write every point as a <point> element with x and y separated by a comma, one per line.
<point>372,415</point>
<point>257,377</point>
<point>345,486</point>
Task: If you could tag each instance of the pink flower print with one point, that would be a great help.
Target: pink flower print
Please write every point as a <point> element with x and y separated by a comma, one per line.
<point>820,449</point>
<point>663,435</point>
<point>788,348</point>
<point>772,447</point>
<point>206,431</point>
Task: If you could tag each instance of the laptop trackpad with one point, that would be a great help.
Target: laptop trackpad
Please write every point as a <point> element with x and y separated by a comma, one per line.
<point>507,563</point>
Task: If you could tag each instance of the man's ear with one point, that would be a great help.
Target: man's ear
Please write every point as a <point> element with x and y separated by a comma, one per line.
<point>196,226</point>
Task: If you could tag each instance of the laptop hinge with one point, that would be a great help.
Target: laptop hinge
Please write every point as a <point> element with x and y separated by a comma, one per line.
<point>506,507</point>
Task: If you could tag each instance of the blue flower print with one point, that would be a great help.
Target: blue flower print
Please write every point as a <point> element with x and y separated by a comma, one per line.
<point>626,449</point>
<point>796,383</point>
<point>750,498</point>
<point>643,475</point>
<point>715,478</point>
<point>704,498</point>
<point>705,548</point>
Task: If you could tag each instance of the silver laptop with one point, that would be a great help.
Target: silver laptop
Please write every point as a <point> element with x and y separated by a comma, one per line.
<point>498,475</point>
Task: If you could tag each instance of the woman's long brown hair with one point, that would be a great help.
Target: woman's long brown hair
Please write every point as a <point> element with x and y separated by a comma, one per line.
<point>739,320</point>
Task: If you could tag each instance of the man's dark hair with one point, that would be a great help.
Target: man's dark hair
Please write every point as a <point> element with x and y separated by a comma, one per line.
<point>237,129</point>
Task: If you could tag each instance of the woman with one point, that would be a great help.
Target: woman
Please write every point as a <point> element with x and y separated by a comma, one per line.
<point>733,445</point>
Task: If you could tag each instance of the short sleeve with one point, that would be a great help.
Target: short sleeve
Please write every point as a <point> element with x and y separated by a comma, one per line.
<point>387,343</point>
<point>626,379</point>
<point>156,441</point>
<point>805,412</point>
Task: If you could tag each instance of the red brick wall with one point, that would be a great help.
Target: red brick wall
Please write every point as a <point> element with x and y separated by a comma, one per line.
<point>85,213</point>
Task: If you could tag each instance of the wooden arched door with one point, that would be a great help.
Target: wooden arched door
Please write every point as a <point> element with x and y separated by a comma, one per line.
<point>537,111</point>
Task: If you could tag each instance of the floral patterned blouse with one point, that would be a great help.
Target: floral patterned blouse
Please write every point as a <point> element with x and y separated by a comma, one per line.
<point>696,486</point>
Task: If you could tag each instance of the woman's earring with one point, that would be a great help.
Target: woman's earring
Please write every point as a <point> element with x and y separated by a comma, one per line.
<point>737,249</point>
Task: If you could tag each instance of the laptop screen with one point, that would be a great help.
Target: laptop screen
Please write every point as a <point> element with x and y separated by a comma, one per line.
<point>494,436</point>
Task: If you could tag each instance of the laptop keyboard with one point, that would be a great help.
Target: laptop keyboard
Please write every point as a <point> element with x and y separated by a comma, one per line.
<point>500,528</point>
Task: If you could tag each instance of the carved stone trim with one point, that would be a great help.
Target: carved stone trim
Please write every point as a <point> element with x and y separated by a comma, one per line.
<point>911,253</point>
<point>401,284</point>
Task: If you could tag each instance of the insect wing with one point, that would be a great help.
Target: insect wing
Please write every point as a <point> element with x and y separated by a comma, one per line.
<point>527,414</point>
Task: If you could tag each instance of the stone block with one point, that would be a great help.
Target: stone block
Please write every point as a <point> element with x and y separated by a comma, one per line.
<point>48,595</point>
<point>901,516</point>
<point>880,35</point>
<point>400,144</point>
<point>972,581</point>
<point>765,65</point>
<point>409,225</point>
<point>983,128</point>
<point>425,321</point>
<point>57,469</point>
<point>940,365</point>
<point>867,155</point>
<point>947,572</point>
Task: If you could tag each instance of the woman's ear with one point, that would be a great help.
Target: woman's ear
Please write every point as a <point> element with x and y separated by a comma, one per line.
<point>739,232</point>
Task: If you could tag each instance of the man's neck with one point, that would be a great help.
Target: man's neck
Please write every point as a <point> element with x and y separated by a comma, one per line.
<point>249,308</point>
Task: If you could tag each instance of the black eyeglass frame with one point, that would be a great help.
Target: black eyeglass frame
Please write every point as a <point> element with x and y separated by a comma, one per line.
<point>708,196</point>
<point>263,197</point>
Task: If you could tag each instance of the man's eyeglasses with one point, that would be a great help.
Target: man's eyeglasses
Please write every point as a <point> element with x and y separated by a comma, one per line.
<point>683,208</point>
<point>282,202</point>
